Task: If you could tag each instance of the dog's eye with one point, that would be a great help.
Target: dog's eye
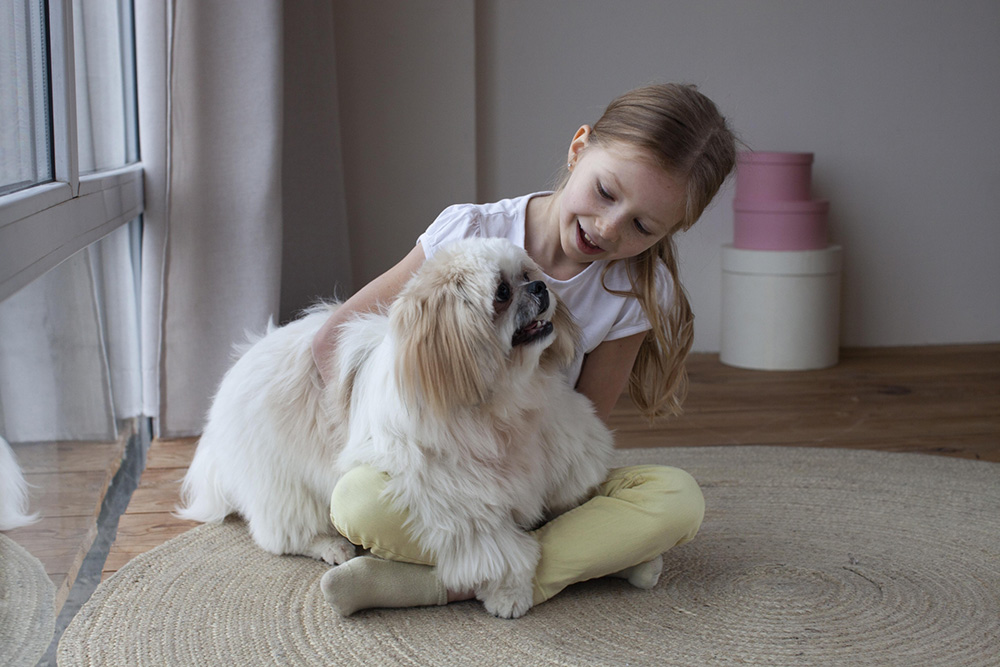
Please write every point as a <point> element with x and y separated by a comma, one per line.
<point>503,292</point>
<point>526,278</point>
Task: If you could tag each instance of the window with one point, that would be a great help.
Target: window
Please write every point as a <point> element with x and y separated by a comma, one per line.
<point>25,140</point>
<point>69,162</point>
<point>105,84</point>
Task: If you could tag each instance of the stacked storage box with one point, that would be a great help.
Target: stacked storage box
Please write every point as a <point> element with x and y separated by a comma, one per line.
<point>780,277</point>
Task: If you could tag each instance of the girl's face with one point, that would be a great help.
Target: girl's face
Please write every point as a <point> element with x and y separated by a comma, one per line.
<point>617,203</point>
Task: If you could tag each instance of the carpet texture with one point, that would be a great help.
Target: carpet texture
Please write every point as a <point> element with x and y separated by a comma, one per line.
<point>27,606</point>
<point>806,556</point>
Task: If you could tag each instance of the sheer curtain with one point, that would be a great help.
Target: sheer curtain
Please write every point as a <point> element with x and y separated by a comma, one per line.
<point>69,344</point>
<point>226,153</point>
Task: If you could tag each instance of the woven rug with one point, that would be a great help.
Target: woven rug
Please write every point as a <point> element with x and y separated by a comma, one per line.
<point>27,605</point>
<point>806,557</point>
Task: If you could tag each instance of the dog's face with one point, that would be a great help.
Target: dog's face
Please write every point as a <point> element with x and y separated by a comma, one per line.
<point>474,319</point>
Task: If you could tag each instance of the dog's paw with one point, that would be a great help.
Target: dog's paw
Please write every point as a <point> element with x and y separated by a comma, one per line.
<point>507,601</point>
<point>333,550</point>
<point>339,552</point>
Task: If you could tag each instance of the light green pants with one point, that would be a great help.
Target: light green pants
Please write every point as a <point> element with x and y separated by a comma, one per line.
<point>637,513</point>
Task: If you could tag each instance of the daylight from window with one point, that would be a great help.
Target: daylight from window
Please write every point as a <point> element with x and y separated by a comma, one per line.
<point>25,135</point>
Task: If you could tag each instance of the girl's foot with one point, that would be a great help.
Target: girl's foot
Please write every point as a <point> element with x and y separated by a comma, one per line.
<point>365,583</point>
<point>643,575</point>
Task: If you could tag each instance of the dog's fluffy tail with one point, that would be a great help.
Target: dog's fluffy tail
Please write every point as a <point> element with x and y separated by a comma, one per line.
<point>13,492</point>
<point>202,496</point>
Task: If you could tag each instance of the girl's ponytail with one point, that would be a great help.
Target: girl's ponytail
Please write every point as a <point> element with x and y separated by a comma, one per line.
<point>683,131</point>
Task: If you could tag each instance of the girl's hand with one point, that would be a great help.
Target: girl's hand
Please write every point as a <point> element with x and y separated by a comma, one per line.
<point>379,293</point>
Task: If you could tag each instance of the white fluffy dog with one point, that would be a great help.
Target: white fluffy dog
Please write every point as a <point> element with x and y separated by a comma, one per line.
<point>458,392</point>
<point>13,492</point>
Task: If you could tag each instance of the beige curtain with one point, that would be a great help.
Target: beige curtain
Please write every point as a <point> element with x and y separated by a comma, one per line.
<point>210,124</point>
<point>224,166</point>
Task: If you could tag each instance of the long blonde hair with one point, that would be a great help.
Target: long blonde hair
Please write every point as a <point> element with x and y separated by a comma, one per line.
<point>684,133</point>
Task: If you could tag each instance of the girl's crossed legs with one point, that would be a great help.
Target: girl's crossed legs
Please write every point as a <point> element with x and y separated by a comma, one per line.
<point>636,514</point>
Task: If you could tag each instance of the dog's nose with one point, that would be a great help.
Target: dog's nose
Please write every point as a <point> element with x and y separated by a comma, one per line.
<point>538,290</point>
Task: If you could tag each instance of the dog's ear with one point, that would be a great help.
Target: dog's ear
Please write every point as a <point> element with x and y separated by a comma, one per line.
<point>561,352</point>
<point>449,354</point>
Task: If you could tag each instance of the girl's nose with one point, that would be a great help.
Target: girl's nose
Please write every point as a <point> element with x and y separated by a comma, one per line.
<point>609,226</point>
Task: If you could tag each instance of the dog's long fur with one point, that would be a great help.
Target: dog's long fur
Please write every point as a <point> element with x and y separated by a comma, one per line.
<point>482,438</point>
<point>13,491</point>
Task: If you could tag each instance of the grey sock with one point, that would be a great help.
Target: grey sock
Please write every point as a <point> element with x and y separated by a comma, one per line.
<point>365,583</point>
<point>643,575</point>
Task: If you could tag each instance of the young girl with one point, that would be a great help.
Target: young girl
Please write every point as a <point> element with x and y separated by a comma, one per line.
<point>605,239</point>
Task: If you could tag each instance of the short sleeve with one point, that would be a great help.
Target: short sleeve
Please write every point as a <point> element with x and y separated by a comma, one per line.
<point>456,222</point>
<point>632,318</point>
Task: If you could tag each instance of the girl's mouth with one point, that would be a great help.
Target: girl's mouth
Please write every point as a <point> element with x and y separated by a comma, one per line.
<point>585,243</point>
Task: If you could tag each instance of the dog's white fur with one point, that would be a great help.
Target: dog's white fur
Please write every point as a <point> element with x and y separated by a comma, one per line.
<point>13,491</point>
<point>483,439</point>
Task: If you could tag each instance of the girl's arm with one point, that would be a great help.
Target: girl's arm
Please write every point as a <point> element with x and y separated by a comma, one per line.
<point>605,372</point>
<point>379,292</point>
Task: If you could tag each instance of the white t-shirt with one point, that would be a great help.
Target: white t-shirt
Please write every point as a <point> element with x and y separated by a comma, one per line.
<point>601,315</point>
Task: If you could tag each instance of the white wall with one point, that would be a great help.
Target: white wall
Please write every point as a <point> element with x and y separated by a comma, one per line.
<point>898,99</point>
<point>406,83</point>
<point>315,248</point>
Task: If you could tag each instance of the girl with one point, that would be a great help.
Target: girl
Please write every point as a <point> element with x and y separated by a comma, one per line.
<point>605,239</point>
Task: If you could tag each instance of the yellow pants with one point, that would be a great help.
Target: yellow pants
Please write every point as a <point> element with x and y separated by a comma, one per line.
<point>636,514</point>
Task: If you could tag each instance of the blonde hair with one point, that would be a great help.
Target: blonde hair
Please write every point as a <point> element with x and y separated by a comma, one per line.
<point>684,133</point>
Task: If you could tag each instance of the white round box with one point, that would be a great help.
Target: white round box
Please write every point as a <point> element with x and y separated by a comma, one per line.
<point>780,308</point>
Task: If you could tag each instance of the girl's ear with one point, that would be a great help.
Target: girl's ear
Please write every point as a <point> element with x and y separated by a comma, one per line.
<point>580,141</point>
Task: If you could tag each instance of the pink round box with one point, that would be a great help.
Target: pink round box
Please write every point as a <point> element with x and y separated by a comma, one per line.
<point>780,225</point>
<point>770,176</point>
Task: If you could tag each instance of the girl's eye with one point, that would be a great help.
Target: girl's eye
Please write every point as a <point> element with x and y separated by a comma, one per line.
<point>604,193</point>
<point>638,226</point>
<point>503,293</point>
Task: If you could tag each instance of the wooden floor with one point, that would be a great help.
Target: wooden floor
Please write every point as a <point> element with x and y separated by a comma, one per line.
<point>935,400</point>
<point>67,481</point>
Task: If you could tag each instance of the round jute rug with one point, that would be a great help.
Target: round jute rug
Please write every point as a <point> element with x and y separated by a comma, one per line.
<point>27,605</point>
<point>806,557</point>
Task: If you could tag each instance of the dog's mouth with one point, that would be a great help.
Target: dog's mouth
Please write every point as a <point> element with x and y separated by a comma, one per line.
<point>535,330</point>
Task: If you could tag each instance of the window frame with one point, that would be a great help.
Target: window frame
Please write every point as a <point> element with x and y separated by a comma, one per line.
<point>43,225</point>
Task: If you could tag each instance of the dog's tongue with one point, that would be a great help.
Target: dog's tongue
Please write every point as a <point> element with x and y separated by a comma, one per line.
<point>533,331</point>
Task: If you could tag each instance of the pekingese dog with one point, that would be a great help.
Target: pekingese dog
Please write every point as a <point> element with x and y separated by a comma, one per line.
<point>458,392</point>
